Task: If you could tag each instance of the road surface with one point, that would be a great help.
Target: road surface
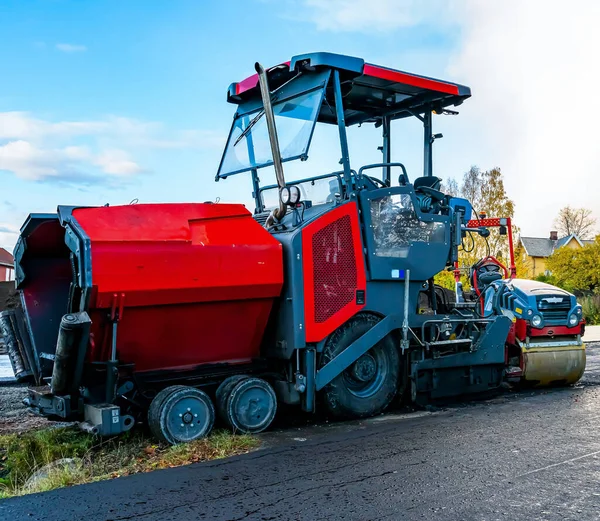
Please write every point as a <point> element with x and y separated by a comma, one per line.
<point>526,456</point>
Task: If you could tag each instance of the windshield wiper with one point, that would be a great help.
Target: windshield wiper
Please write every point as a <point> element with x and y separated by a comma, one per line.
<point>246,131</point>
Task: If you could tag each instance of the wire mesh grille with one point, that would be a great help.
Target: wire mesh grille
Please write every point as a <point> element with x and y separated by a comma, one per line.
<point>334,268</point>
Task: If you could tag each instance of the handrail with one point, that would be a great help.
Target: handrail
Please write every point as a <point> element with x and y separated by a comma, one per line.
<point>381,165</point>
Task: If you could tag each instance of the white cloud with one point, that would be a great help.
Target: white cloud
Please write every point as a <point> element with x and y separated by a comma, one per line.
<point>20,125</point>
<point>70,163</point>
<point>8,236</point>
<point>70,48</point>
<point>29,162</point>
<point>78,151</point>
<point>117,162</point>
<point>132,132</point>
<point>532,69</point>
<point>372,16</point>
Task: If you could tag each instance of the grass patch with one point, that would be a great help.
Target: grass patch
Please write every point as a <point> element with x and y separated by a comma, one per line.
<point>91,458</point>
<point>591,309</point>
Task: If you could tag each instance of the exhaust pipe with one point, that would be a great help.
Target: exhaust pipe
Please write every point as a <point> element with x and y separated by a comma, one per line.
<point>265,94</point>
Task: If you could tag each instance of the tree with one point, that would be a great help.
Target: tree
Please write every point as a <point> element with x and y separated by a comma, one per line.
<point>450,187</point>
<point>575,221</point>
<point>485,190</point>
<point>576,269</point>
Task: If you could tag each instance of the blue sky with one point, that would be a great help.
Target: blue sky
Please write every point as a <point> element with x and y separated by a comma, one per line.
<point>107,101</point>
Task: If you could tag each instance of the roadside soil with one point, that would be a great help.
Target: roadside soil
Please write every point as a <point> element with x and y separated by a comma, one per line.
<point>14,416</point>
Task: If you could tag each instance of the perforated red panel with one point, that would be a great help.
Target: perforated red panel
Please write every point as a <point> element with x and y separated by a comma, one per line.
<point>334,270</point>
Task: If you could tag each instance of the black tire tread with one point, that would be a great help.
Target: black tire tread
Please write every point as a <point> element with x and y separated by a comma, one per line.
<point>222,395</point>
<point>235,425</point>
<point>156,408</point>
<point>337,400</point>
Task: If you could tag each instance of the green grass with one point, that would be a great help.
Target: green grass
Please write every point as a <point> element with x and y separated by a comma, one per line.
<point>98,459</point>
<point>591,309</point>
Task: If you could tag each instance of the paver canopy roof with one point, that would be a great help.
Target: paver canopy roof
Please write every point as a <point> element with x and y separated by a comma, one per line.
<point>370,91</point>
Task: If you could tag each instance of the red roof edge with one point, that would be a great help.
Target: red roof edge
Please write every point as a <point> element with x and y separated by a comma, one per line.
<point>409,79</point>
<point>252,81</point>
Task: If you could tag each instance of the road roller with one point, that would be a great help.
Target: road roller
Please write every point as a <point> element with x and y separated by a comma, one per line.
<point>320,295</point>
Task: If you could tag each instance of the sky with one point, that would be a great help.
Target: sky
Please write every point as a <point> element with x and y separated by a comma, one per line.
<point>108,101</point>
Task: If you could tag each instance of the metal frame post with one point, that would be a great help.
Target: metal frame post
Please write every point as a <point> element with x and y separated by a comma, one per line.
<point>511,249</point>
<point>254,175</point>
<point>339,110</point>
<point>427,145</point>
<point>387,150</point>
<point>310,365</point>
<point>256,191</point>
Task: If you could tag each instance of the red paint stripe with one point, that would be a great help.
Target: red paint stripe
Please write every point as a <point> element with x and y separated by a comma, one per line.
<point>409,79</point>
<point>251,81</point>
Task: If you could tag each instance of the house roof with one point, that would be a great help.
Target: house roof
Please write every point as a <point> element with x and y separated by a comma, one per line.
<point>538,246</point>
<point>543,247</point>
<point>6,258</point>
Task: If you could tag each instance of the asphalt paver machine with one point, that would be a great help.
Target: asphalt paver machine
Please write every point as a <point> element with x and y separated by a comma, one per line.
<point>177,314</point>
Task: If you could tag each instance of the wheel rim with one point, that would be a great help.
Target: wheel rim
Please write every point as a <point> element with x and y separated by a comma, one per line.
<point>366,376</point>
<point>252,408</point>
<point>188,418</point>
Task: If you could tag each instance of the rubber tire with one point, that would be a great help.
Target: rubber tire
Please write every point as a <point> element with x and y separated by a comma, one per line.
<point>237,423</point>
<point>159,408</point>
<point>222,395</point>
<point>338,399</point>
<point>156,406</point>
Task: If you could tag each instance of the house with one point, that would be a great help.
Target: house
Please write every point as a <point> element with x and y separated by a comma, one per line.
<point>535,251</point>
<point>7,266</point>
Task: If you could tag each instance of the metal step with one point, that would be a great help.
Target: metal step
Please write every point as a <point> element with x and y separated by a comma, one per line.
<point>465,305</point>
<point>467,341</point>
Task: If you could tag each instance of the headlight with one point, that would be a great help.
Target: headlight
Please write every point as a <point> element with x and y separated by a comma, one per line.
<point>290,195</point>
<point>578,311</point>
<point>536,321</point>
<point>573,320</point>
<point>529,312</point>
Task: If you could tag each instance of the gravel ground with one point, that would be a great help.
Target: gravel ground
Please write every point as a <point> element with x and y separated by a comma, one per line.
<point>14,417</point>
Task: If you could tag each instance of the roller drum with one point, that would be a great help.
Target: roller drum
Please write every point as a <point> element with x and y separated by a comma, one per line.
<point>553,365</point>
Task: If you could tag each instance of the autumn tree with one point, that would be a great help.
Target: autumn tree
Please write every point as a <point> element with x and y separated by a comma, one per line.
<point>486,192</point>
<point>450,187</point>
<point>576,269</point>
<point>575,221</point>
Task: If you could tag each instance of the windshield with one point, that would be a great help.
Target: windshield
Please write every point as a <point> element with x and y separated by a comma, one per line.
<point>248,144</point>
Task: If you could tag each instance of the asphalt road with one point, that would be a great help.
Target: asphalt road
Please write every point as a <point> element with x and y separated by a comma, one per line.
<point>526,456</point>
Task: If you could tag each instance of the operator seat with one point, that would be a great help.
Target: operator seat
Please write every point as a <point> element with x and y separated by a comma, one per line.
<point>484,272</point>
<point>429,195</point>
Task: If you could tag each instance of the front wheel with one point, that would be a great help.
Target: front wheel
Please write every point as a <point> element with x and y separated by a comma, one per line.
<point>368,386</point>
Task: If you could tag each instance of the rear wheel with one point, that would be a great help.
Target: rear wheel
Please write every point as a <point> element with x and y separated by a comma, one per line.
<point>181,414</point>
<point>368,386</point>
<point>222,395</point>
<point>250,406</point>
